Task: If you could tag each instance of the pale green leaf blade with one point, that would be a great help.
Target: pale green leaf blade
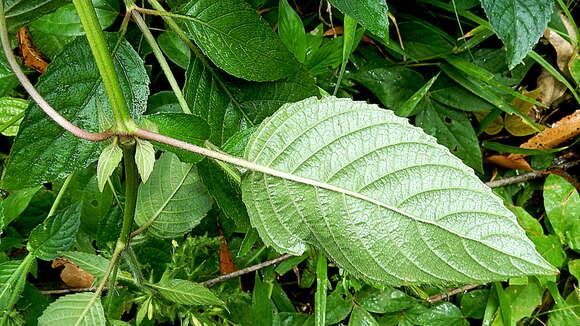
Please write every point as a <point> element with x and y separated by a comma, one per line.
<point>9,273</point>
<point>80,309</point>
<point>173,201</point>
<point>371,14</point>
<point>72,85</point>
<point>518,23</point>
<point>382,199</point>
<point>109,159</point>
<point>144,158</point>
<point>57,233</point>
<point>18,13</point>
<point>562,204</point>
<point>291,30</point>
<point>238,40</point>
<point>10,109</point>
<point>187,293</point>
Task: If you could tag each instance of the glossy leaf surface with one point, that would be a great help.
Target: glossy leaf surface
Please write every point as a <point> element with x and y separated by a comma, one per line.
<point>72,85</point>
<point>238,40</point>
<point>55,234</point>
<point>381,198</point>
<point>371,14</point>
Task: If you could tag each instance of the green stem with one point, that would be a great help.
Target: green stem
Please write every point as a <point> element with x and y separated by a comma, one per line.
<point>96,39</point>
<point>58,198</point>
<point>162,62</point>
<point>321,288</point>
<point>20,274</point>
<point>12,121</point>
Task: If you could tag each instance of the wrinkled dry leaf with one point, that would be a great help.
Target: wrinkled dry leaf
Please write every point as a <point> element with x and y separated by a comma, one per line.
<point>550,88</point>
<point>227,264</point>
<point>507,162</point>
<point>72,275</point>
<point>514,124</point>
<point>564,50</point>
<point>31,57</point>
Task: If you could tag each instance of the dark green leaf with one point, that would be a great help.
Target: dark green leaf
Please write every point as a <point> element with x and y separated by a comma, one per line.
<point>371,14</point>
<point>291,30</point>
<point>361,317</point>
<point>392,85</point>
<point>444,314</point>
<point>187,293</point>
<point>238,40</point>
<point>424,41</point>
<point>451,94</point>
<point>384,301</point>
<point>346,177</point>
<point>452,129</point>
<point>473,303</point>
<point>338,306</point>
<point>185,127</point>
<point>73,86</point>
<point>518,23</point>
<point>174,48</point>
<point>55,234</point>
<point>21,12</point>
<point>66,22</point>
<point>17,201</point>
<point>262,306</point>
<point>163,102</point>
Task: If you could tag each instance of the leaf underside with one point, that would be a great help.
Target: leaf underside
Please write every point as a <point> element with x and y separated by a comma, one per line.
<point>396,207</point>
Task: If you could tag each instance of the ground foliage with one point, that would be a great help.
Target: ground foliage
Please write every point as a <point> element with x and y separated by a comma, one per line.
<point>385,207</point>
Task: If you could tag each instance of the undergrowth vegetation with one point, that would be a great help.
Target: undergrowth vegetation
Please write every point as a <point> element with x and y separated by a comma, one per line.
<point>288,162</point>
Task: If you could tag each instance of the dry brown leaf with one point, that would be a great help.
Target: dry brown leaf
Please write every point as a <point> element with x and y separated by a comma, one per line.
<point>227,264</point>
<point>550,88</point>
<point>72,275</point>
<point>508,162</point>
<point>563,130</point>
<point>564,50</point>
<point>31,57</point>
<point>514,124</point>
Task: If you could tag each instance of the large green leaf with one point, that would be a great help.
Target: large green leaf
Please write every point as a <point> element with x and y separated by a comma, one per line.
<point>80,309</point>
<point>519,24</point>
<point>238,40</point>
<point>73,86</point>
<point>371,14</point>
<point>174,200</point>
<point>379,197</point>
<point>187,293</point>
<point>21,12</point>
<point>10,108</point>
<point>55,234</point>
<point>66,22</point>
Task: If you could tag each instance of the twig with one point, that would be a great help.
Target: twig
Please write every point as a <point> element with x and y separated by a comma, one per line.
<point>74,290</point>
<point>442,296</point>
<point>246,270</point>
<point>530,176</point>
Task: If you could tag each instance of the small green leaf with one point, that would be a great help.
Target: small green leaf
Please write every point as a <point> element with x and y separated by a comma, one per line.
<point>550,248</point>
<point>574,268</point>
<point>338,306</point>
<point>174,48</point>
<point>291,30</point>
<point>384,301</point>
<point>11,274</point>
<point>443,314</point>
<point>519,24</point>
<point>473,303</point>
<point>173,201</point>
<point>80,309</point>
<point>187,293</point>
<point>562,204</point>
<point>10,109</point>
<point>371,14</point>
<point>144,158</point>
<point>361,317</point>
<point>17,201</point>
<point>57,233</point>
<point>452,129</point>
<point>66,22</point>
<point>238,40</point>
<point>185,127</point>
<point>409,105</point>
<point>19,13</point>
<point>109,160</point>
<point>424,41</point>
<point>73,86</point>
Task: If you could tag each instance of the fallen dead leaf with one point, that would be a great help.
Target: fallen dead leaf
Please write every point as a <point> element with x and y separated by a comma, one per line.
<point>72,275</point>
<point>564,49</point>
<point>227,264</point>
<point>31,57</point>
<point>510,163</point>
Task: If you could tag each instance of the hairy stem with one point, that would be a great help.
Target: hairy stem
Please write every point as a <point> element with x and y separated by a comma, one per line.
<point>123,122</point>
<point>51,112</point>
